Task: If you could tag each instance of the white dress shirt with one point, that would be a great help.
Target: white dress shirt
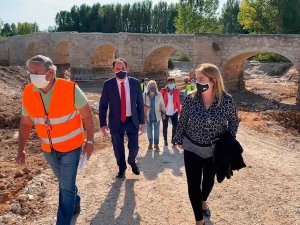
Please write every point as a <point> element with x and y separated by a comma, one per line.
<point>127,92</point>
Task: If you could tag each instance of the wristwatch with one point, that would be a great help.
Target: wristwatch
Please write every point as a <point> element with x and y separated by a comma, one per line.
<point>90,142</point>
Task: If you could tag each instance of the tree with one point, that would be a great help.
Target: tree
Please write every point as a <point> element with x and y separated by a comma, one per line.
<point>14,30</point>
<point>27,28</point>
<point>6,30</point>
<point>197,16</point>
<point>259,16</point>
<point>289,15</point>
<point>229,17</point>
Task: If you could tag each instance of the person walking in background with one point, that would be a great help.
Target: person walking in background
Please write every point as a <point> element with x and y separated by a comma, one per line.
<point>123,96</point>
<point>207,113</point>
<point>144,85</point>
<point>55,106</point>
<point>154,112</point>
<point>172,102</point>
<point>191,87</point>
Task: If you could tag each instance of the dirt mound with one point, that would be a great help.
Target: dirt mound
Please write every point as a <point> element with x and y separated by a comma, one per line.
<point>266,68</point>
<point>291,75</point>
<point>12,82</point>
<point>287,119</point>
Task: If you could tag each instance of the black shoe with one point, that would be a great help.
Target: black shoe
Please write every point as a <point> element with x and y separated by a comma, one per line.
<point>166,143</point>
<point>120,174</point>
<point>135,170</point>
<point>206,213</point>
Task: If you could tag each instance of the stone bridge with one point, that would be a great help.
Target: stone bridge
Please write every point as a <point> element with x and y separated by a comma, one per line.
<point>90,55</point>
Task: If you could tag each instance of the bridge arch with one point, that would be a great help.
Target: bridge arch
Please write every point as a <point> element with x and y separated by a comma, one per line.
<point>61,55</point>
<point>31,50</point>
<point>103,56</point>
<point>234,67</point>
<point>157,58</point>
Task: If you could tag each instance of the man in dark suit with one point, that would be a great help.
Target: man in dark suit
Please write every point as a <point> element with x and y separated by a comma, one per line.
<point>123,95</point>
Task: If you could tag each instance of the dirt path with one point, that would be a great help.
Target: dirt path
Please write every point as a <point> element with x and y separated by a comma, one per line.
<point>266,192</point>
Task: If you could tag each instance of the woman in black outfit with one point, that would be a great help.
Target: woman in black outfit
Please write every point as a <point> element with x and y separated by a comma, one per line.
<point>207,112</point>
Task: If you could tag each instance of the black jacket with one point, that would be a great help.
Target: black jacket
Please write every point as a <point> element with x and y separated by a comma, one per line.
<point>228,156</point>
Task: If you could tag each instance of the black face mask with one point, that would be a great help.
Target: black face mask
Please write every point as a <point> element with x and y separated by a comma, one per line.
<point>121,74</point>
<point>202,87</point>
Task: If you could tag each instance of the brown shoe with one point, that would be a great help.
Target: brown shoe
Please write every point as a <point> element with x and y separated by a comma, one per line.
<point>156,147</point>
<point>150,147</point>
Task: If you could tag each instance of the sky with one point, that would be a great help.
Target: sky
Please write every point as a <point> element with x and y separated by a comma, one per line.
<point>44,11</point>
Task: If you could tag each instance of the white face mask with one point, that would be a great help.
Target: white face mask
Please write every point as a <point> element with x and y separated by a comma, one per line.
<point>39,80</point>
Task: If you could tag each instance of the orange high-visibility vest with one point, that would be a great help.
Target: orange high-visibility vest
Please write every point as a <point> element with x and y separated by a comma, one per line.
<point>62,128</point>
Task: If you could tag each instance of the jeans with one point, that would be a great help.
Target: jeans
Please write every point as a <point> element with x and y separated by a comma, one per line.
<point>133,144</point>
<point>149,126</point>
<point>64,166</point>
<point>174,120</point>
<point>200,175</point>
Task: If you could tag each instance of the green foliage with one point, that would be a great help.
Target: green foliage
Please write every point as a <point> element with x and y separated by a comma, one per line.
<point>270,16</point>
<point>163,18</point>
<point>288,15</point>
<point>197,16</point>
<point>229,17</point>
<point>7,30</point>
<point>140,17</point>
<point>269,57</point>
<point>27,28</point>
<point>180,56</point>
<point>170,64</point>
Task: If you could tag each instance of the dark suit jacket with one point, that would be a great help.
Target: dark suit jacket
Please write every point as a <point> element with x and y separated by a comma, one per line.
<point>111,98</point>
<point>227,156</point>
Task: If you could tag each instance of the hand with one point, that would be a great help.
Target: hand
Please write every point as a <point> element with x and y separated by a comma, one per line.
<point>142,126</point>
<point>88,148</point>
<point>180,146</point>
<point>20,159</point>
<point>104,130</point>
<point>163,116</point>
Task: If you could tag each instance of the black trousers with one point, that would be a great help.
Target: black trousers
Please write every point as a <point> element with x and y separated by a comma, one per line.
<point>174,120</point>
<point>198,171</point>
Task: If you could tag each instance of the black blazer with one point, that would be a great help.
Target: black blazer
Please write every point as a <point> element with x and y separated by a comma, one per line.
<point>227,156</point>
<point>111,98</point>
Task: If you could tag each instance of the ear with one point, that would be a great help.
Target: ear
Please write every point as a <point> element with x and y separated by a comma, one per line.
<point>50,74</point>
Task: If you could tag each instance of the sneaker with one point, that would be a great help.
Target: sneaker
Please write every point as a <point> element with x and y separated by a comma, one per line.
<point>166,143</point>
<point>156,148</point>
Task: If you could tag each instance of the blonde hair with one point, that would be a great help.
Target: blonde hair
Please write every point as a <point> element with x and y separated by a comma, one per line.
<point>213,73</point>
<point>151,83</point>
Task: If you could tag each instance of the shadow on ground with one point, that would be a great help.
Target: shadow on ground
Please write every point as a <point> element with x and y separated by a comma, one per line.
<point>109,213</point>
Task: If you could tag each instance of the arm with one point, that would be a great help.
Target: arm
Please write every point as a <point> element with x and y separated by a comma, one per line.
<point>162,105</point>
<point>178,101</point>
<point>103,106</point>
<point>140,105</point>
<point>232,118</point>
<point>24,132</point>
<point>88,116</point>
<point>183,119</point>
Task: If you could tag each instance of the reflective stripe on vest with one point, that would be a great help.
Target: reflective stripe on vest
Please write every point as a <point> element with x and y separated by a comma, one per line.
<point>56,120</point>
<point>63,138</point>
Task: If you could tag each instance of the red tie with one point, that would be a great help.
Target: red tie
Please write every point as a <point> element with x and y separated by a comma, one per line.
<point>123,103</point>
